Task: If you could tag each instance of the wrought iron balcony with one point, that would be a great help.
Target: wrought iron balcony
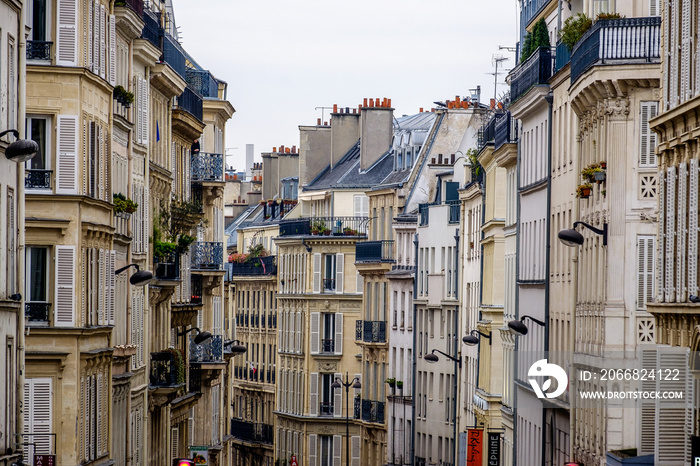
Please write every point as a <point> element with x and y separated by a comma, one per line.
<point>167,268</point>
<point>151,29</point>
<point>329,284</point>
<point>530,9</point>
<point>259,266</point>
<point>375,251</point>
<point>325,226</point>
<point>562,56</point>
<point>454,207</point>
<point>370,331</point>
<point>207,167</point>
<point>37,312</point>
<point>134,5</point>
<point>211,350</point>
<point>373,411</point>
<point>202,82</point>
<point>191,102</point>
<point>487,133</point>
<point>39,50</point>
<point>252,431</point>
<point>326,408</point>
<point>615,42</point>
<point>173,54</point>
<point>506,130</point>
<point>537,69</point>
<point>167,370</point>
<point>328,346</point>
<point>207,256</point>
<point>38,179</point>
<point>357,408</point>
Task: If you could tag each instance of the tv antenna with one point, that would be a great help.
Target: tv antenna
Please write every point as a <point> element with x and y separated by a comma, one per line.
<point>323,109</point>
<point>496,59</point>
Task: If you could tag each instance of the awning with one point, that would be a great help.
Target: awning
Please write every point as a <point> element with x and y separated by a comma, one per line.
<point>313,195</point>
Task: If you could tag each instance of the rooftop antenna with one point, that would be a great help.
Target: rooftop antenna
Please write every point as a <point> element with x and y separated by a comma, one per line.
<point>496,59</point>
<point>323,110</point>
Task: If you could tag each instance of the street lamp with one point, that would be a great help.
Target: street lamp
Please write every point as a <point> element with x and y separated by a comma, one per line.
<point>354,383</point>
<point>22,149</point>
<point>472,338</point>
<point>140,278</point>
<point>571,237</point>
<point>520,328</point>
<point>431,357</point>
<point>238,348</point>
<point>201,337</point>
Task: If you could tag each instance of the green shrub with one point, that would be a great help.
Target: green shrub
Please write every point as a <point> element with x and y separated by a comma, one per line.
<point>123,204</point>
<point>574,28</point>
<point>538,37</point>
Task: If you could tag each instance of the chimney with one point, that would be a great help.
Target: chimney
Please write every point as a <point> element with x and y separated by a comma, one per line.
<point>421,110</point>
<point>376,132</point>
<point>249,155</point>
<point>318,122</point>
<point>294,149</point>
<point>345,132</point>
<point>335,108</point>
<point>313,151</point>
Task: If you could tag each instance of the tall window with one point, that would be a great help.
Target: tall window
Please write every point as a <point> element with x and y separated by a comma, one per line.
<point>329,272</point>
<point>326,395</point>
<point>326,450</point>
<point>37,285</point>
<point>328,338</point>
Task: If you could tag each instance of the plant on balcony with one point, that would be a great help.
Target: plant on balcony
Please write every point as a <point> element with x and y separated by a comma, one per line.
<point>123,96</point>
<point>179,358</point>
<point>319,228</point>
<point>589,172</point>
<point>349,232</point>
<point>123,204</point>
<point>391,381</point>
<point>176,221</point>
<point>583,191</point>
<point>238,258</point>
<point>608,16</point>
<point>574,28</point>
<point>472,156</point>
<point>399,384</point>
<point>538,37</point>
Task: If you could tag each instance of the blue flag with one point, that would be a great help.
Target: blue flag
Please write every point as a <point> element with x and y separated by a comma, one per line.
<point>157,132</point>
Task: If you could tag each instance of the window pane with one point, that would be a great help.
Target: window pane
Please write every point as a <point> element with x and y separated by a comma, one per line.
<point>37,276</point>
<point>39,20</point>
<point>38,134</point>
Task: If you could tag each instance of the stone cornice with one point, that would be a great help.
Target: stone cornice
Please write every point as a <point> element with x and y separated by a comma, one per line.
<point>167,81</point>
<point>128,22</point>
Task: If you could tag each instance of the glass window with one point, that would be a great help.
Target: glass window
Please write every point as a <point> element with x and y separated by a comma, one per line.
<point>326,395</point>
<point>37,274</point>
<point>37,130</point>
<point>326,453</point>
<point>329,273</point>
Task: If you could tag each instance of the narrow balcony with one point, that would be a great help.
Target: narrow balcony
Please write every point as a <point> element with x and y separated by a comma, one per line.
<point>562,56</point>
<point>373,411</point>
<point>375,251</point>
<point>202,82</point>
<point>454,213</point>
<point>326,408</point>
<point>37,313</point>
<point>487,133</point>
<point>207,256</point>
<point>257,266</point>
<point>617,42</point>
<point>38,179</point>
<point>325,226</point>
<point>173,54</point>
<point>211,350</point>
<point>167,370</point>
<point>207,167</point>
<point>357,408</point>
<point>254,432</point>
<point>191,102</point>
<point>370,331</point>
<point>506,131</point>
<point>151,29</point>
<point>39,50</point>
<point>167,268</point>
<point>135,5</point>
<point>537,69</point>
<point>327,346</point>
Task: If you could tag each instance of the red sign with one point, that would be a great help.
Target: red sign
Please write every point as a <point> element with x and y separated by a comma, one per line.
<point>474,446</point>
<point>294,460</point>
<point>44,460</point>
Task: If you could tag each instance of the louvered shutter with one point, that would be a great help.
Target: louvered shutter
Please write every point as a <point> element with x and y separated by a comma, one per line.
<point>645,271</point>
<point>692,227</point>
<point>647,157</point>
<point>174,442</point>
<point>647,406</point>
<point>314,330</point>
<point>661,235</point>
<point>102,33</point>
<point>312,449</point>
<point>338,333</point>
<point>355,447</point>
<point>145,222</point>
<point>672,414</point>
<point>313,394</point>
<point>146,123</point>
<point>337,450</point>
<point>339,272</point>
<point>654,8</point>
<point>100,273</point>
<point>173,172</point>
<point>111,290</point>
<point>99,414</point>
<point>280,331</point>
<point>96,37</point>
<point>338,399</point>
<point>670,234</point>
<point>65,284</point>
<point>67,35</point>
<point>317,273</point>
<point>67,164</point>
<point>681,232</point>
<point>38,414</point>
<point>686,49</point>
<point>112,51</point>
<point>297,336</point>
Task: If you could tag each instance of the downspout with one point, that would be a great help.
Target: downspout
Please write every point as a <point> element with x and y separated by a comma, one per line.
<point>517,296</point>
<point>413,378</point>
<point>457,353</point>
<point>550,100</point>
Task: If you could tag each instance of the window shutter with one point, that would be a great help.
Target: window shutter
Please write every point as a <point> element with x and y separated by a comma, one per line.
<point>312,449</point>
<point>67,165</point>
<point>661,235</point>
<point>645,271</point>
<point>654,8</point>
<point>38,402</point>
<point>174,442</point>
<point>338,333</point>
<point>100,414</point>
<point>339,266</point>
<point>355,447</point>
<point>280,331</point>
<point>100,272</point>
<point>102,42</point>
<point>112,51</point>
<point>359,283</point>
<point>315,330</point>
<point>317,273</point>
<point>337,450</point>
<point>647,406</point>
<point>692,228</point>
<point>338,400</point>
<point>111,279</point>
<point>672,415</point>
<point>297,336</point>
<point>173,170</point>
<point>670,234</point>
<point>67,34</point>
<point>96,37</point>
<point>145,223</point>
<point>313,394</point>
<point>65,276</point>
<point>647,146</point>
<point>681,232</point>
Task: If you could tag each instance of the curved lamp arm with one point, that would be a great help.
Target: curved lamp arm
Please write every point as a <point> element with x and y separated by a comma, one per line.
<point>595,230</point>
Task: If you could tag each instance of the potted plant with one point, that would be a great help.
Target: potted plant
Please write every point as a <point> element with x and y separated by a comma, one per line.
<point>319,227</point>
<point>599,176</point>
<point>589,172</point>
<point>123,96</point>
<point>391,381</point>
<point>574,28</point>
<point>399,384</point>
<point>603,164</point>
<point>123,206</point>
<point>349,232</point>
<point>326,231</point>
<point>584,190</point>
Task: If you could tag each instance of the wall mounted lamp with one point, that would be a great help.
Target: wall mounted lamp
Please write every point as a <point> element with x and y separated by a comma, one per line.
<point>571,237</point>
<point>22,149</point>
<point>140,278</point>
<point>432,357</point>
<point>520,328</point>
<point>236,348</point>
<point>201,336</point>
<point>472,339</point>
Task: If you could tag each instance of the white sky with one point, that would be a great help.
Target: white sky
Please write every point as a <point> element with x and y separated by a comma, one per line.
<point>281,59</point>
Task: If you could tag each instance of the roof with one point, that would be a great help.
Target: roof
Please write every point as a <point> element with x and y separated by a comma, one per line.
<point>236,223</point>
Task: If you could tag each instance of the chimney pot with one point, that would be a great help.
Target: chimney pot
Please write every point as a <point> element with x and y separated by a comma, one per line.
<point>493,104</point>
<point>365,103</point>
<point>388,103</point>
<point>318,122</point>
<point>452,159</point>
<point>371,103</point>
<point>294,149</point>
<point>421,110</point>
<point>376,102</point>
<point>347,110</point>
<point>282,149</point>
<point>433,161</point>
<point>325,123</point>
<point>440,159</point>
<point>457,99</point>
<point>274,149</point>
<point>287,150</point>
<point>354,110</point>
<point>335,108</point>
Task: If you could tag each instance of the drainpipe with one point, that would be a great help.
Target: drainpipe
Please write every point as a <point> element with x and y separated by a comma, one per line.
<point>517,296</point>
<point>413,379</point>
<point>458,354</point>
<point>550,100</point>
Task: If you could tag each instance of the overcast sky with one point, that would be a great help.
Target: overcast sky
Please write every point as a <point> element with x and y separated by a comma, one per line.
<point>282,59</point>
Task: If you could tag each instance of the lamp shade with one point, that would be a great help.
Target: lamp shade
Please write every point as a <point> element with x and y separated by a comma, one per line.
<point>357,384</point>
<point>335,384</point>
<point>470,340</point>
<point>238,349</point>
<point>141,278</point>
<point>518,327</point>
<point>21,150</point>
<point>201,337</point>
<point>570,237</point>
<point>431,357</point>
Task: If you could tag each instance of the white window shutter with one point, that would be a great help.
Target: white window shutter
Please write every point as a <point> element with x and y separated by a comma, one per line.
<point>112,51</point>
<point>65,284</point>
<point>145,223</point>
<point>100,287</point>
<point>96,37</point>
<point>647,147</point>
<point>692,227</point>
<point>661,235</point>
<point>314,329</point>
<point>297,337</point>
<point>313,394</point>
<point>645,270</point>
<point>111,293</point>
<point>174,442</point>
<point>38,414</point>
<point>102,42</point>
<point>647,406</point>
<point>173,171</point>
<point>338,333</point>
<point>681,232</point>
<point>99,414</point>
<point>317,273</point>
<point>339,275</point>
<point>355,447</point>
<point>67,34</point>
<point>67,164</point>
<point>338,400</point>
<point>654,8</point>
<point>670,234</point>
<point>672,415</point>
<point>337,450</point>
<point>312,449</point>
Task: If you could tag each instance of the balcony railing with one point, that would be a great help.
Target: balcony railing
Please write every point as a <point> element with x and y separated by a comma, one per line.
<point>203,82</point>
<point>325,226</point>
<point>328,346</point>
<point>487,133</point>
<point>207,167</point>
<point>454,207</point>
<point>173,54</point>
<point>562,56</point>
<point>326,408</point>
<point>38,179</point>
<point>617,41</point>
<point>210,350</point>
<point>506,131</point>
<point>135,5</point>
<point>424,213</point>
<point>166,370</point>
<point>167,268</point>
<point>373,411</point>
<point>191,102</point>
<point>151,29</point>
<point>537,69</point>
<point>207,256</point>
<point>370,331</point>
<point>374,251</point>
<point>39,50</point>
<point>329,284</point>
<point>252,431</point>
<point>259,266</point>
<point>530,9</point>
<point>357,408</point>
<point>37,312</point>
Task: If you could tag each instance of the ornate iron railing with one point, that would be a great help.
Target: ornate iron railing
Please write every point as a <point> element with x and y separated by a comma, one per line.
<point>454,207</point>
<point>611,41</point>
<point>207,256</point>
<point>373,411</point>
<point>203,82</point>
<point>151,28</point>
<point>164,370</point>
<point>39,50</point>
<point>327,346</point>
<point>207,167</point>
<point>374,251</point>
<point>210,350</point>
<point>258,266</point>
<point>191,102</point>
<point>329,284</point>
<point>358,330</point>
<point>537,69</point>
<point>135,5</point>
<point>252,431</point>
<point>296,227</point>
<point>37,312</point>
<point>325,226</point>
<point>173,54</point>
<point>38,179</point>
<point>326,408</point>
<point>167,268</point>
<point>424,214</point>
<point>506,130</point>
<point>370,331</point>
<point>562,56</point>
